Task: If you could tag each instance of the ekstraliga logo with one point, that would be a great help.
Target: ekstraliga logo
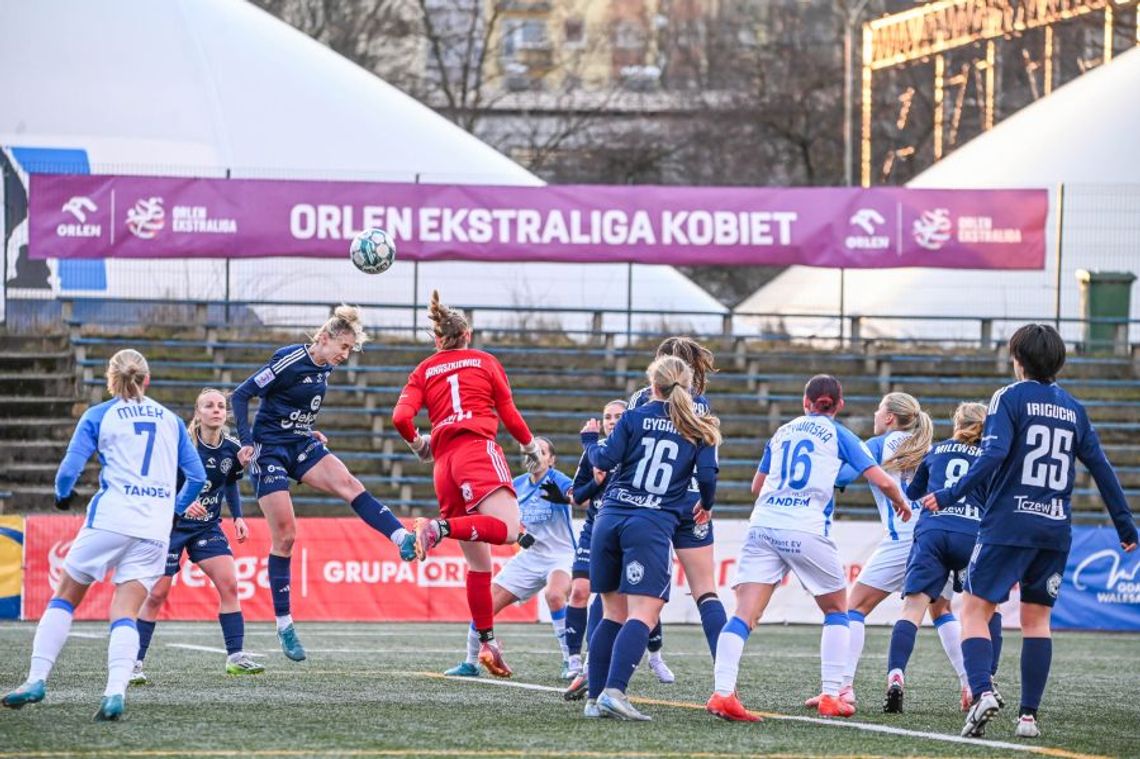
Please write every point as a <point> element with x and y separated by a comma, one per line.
<point>932,229</point>
<point>147,218</point>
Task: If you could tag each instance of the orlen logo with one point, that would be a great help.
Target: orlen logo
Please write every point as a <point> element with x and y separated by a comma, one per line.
<point>147,218</point>
<point>79,206</point>
<point>867,220</point>
<point>932,229</point>
<point>56,554</point>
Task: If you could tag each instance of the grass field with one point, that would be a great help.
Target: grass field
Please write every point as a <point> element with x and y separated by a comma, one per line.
<point>371,691</point>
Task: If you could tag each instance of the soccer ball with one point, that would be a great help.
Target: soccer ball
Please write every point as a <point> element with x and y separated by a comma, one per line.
<point>372,251</point>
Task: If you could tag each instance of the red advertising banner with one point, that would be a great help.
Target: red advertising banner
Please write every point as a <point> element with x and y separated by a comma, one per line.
<point>342,571</point>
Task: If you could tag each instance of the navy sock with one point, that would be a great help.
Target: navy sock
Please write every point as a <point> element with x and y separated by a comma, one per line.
<point>375,514</point>
<point>601,650</point>
<point>146,630</point>
<point>713,619</point>
<point>279,573</point>
<point>978,656</point>
<point>233,630</point>
<point>902,645</point>
<point>1036,657</point>
<point>629,647</point>
<point>575,629</point>
<point>593,617</point>
<point>995,639</point>
<point>656,638</point>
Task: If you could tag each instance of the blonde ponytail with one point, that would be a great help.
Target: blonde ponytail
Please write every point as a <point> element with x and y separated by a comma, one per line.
<point>127,373</point>
<point>450,326</point>
<point>909,417</point>
<point>671,377</point>
<point>345,319</point>
<point>969,420</point>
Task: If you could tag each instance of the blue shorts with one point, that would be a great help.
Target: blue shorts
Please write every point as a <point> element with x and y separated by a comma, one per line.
<point>994,570</point>
<point>273,465</point>
<point>631,553</point>
<point>581,566</point>
<point>935,556</point>
<point>689,534</point>
<point>200,541</point>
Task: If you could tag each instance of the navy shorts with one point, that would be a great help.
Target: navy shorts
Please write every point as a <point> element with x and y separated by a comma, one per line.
<point>935,556</point>
<point>273,465</point>
<point>630,553</point>
<point>581,566</point>
<point>689,534</point>
<point>199,540</point>
<point>994,570</point>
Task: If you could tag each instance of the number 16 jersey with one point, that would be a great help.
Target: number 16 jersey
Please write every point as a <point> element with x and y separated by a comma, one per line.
<point>801,462</point>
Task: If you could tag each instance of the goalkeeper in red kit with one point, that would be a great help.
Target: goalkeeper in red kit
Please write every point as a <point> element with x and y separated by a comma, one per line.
<point>466,393</point>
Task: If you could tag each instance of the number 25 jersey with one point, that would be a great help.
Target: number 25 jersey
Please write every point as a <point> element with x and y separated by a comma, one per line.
<point>465,391</point>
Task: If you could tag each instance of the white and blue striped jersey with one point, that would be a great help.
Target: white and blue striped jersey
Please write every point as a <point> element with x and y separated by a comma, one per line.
<point>548,522</point>
<point>802,461</point>
<point>142,445</point>
<point>883,448</point>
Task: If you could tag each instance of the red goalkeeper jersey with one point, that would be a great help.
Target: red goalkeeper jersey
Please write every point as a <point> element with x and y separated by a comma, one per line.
<point>465,391</point>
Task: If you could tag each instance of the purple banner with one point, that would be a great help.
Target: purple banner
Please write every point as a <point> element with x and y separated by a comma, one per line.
<point>163,217</point>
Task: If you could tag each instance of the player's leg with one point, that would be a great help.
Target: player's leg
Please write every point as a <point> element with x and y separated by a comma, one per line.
<point>751,600</point>
<point>223,573</point>
<point>861,601</point>
<point>481,603</point>
<point>699,564</point>
<point>949,631</point>
<point>557,593</point>
<point>1040,586</point>
<point>51,634</point>
<point>576,617</point>
<point>642,613</point>
<point>122,645</point>
<point>277,507</point>
<point>834,648</point>
<point>606,570</point>
<point>614,611</point>
<point>329,475</point>
<point>148,617</point>
<point>903,636</point>
<point>977,653</point>
<point>472,478</point>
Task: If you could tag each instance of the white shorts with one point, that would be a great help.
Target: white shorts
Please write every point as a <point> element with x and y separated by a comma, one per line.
<point>528,572</point>
<point>95,552</point>
<point>886,569</point>
<point>770,553</point>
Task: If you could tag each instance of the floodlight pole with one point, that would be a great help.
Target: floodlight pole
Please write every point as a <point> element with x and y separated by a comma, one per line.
<point>851,16</point>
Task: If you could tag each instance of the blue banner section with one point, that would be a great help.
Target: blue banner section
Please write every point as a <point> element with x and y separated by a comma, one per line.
<point>73,275</point>
<point>1101,588</point>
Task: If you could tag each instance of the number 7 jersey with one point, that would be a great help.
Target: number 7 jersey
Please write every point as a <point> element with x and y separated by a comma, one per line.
<point>466,392</point>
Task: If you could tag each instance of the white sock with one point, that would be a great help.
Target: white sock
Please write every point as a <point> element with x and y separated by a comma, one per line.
<point>397,536</point>
<point>576,662</point>
<point>121,651</point>
<point>560,633</point>
<point>950,633</point>
<point>729,649</point>
<point>472,645</point>
<point>654,656</point>
<point>51,634</point>
<point>284,621</point>
<point>834,644</point>
<point>856,632</point>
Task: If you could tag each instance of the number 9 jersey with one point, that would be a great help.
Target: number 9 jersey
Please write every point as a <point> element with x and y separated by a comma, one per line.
<point>802,461</point>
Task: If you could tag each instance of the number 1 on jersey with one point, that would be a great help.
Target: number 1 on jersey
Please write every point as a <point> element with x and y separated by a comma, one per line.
<point>456,403</point>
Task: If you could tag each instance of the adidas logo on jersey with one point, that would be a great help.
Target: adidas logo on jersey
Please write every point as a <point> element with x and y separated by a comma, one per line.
<point>308,381</point>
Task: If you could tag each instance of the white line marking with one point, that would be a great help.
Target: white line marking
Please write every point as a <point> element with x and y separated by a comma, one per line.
<point>209,649</point>
<point>91,636</point>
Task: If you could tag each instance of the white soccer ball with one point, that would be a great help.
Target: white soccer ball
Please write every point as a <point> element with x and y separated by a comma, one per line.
<point>372,251</point>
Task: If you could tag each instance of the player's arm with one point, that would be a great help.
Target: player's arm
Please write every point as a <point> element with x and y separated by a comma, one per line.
<point>863,458</point>
<point>762,470</point>
<point>509,414</point>
<point>84,442</point>
<point>404,416</point>
<point>585,487</point>
<point>1092,455</point>
<point>920,483</point>
<point>557,488</point>
<point>233,499</point>
<point>257,384</point>
<point>848,473</point>
<point>608,453</point>
<point>997,437</point>
<point>707,468</point>
<point>190,464</point>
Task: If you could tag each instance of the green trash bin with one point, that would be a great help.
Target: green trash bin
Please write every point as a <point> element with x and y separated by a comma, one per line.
<point>1105,295</point>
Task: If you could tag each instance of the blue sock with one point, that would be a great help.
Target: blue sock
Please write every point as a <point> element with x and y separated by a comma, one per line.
<point>995,639</point>
<point>279,573</point>
<point>656,638</point>
<point>978,656</point>
<point>902,645</point>
<point>575,629</point>
<point>713,619</point>
<point>375,514</point>
<point>233,630</point>
<point>593,617</point>
<point>1036,657</point>
<point>629,647</point>
<point>146,630</point>
<point>601,651</point>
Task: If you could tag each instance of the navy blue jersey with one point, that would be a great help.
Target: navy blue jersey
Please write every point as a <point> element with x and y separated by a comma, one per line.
<point>945,464</point>
<point>586,488</point>
<point>657,463</point>
<point>291,388</point>
<point>645,395</point>
<point>223,472</point>
<point>1033,432</point>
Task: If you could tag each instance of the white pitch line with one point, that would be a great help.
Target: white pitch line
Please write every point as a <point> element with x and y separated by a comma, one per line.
<point>208,649</point>
<point>90,636</point>
<point>864,726</point>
